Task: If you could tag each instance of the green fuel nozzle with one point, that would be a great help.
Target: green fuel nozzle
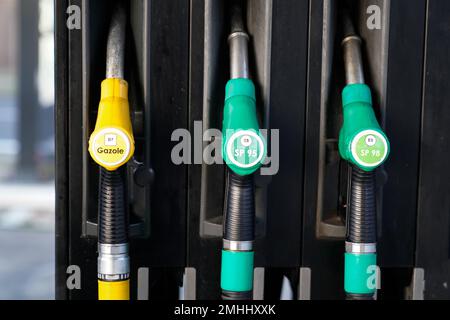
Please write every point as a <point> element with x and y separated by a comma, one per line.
<point>244,150</point>
<point>243,146</point>
<point>362,142</point>
<point>365,146</point>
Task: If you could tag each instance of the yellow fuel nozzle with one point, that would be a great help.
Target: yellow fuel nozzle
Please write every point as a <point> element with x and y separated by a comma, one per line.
<point>112,143</point>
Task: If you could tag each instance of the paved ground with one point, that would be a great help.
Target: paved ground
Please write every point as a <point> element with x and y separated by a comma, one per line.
<point>27,206</point>
<point>26,265</point>
<point>26,241</point>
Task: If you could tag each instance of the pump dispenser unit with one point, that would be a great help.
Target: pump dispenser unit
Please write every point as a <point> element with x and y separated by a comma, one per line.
<point>111,145</point>
<point>365,146</point>
<point>244,150</point>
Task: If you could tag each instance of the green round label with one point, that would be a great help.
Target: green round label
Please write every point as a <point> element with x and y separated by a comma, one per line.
<point>245,149</point>
<point>369,148</point>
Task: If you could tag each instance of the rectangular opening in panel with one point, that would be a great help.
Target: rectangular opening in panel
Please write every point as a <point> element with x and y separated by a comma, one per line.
<point>216,66</point>
<point>96,19</point>
<point>333,171</point>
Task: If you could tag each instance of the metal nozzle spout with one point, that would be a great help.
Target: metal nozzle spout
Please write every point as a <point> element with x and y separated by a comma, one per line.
<point>238,42</point>
<point>351,46</point>
<point>115,52</point>
<point>354,72</point>
<point>237,17</point>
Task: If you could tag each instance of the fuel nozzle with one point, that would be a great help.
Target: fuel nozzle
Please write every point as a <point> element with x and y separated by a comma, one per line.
<point>364,145</point>
<point>111,145</point>
<point>361,140</point>
<point>243,147</point>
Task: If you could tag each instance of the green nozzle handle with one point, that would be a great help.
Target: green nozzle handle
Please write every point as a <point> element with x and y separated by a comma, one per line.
<point>361,139</point>
<point>243,146</point>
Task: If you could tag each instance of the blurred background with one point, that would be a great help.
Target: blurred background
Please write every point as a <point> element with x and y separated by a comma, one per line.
<point>26,149</point>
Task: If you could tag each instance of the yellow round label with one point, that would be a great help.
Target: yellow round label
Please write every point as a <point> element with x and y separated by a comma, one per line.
<point>110,147</point>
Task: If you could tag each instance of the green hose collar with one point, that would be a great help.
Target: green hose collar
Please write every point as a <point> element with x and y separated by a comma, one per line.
<point>360,273</point>
<point>237,271</point>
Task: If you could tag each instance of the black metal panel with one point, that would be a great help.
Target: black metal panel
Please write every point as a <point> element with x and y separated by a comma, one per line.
<point>402,124</point>
<point>168,97</point>
<point>166,81</point>
<point>400,116</point>
<point>433,224</point>
<point>61,142</point>
<point>203,253</point>
<point>324,257</point>
<point>158,78</point>
<point>80,252</point>
<point>168,112</point>
<point>279,244</point>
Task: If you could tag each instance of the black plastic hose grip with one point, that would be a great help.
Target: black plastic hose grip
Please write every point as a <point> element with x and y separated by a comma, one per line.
<point>242,295</point>
<point>239,208</point>
<point>361,221</point>
<point>112,222</point>
<point>354,296</point>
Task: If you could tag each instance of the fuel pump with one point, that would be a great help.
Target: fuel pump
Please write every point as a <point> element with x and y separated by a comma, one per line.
<point>365,146</point>
<point>243,149</point>
<point>111,145</point>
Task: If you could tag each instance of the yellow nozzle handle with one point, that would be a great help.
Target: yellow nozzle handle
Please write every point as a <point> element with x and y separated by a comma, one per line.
<point>114,290</point>
<point>112,143</point>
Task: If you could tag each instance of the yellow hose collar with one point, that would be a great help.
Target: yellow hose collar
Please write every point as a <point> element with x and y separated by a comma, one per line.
<point>114,290</point>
